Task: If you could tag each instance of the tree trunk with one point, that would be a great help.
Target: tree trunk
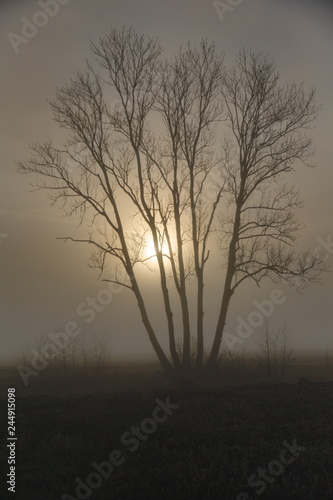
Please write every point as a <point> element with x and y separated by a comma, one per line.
<point>228,292</point>
<point>151,334</point>
<point>200,314</point>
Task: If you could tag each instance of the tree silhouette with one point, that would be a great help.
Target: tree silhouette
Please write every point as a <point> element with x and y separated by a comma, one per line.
<point>156,152</point>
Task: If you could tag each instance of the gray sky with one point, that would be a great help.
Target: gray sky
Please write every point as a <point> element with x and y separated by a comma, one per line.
<point>43,281</point>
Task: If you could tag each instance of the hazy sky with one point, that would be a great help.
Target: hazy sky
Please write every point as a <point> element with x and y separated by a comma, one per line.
<point>43,281</point>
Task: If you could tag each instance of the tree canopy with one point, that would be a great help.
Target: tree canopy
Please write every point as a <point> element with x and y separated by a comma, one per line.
<point>197,152</point>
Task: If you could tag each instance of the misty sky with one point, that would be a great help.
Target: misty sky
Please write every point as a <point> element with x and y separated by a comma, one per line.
<point>43,281</point>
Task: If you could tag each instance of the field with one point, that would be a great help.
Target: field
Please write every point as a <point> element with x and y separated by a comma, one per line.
<point>156,438</point>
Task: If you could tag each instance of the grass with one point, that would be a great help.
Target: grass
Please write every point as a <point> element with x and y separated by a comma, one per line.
<point>206,450</point>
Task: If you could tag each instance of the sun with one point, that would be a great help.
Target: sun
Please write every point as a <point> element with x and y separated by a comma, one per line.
<point>150,252</point>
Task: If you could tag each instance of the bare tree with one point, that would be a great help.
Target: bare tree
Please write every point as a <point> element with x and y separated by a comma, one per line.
<point>266,122</point>
<point>90,350</point>
<point>100,352</point>
<point>84,349</point>
<point>113,157</point>
<point>274,351</point>
<point>286,351</point>
<point>235,366</point>
<point>25,356</point>
<point>327,365</point>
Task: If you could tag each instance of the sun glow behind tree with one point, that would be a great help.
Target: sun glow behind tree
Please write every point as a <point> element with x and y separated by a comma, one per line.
<point>174,185</point>
<point>150,252</point>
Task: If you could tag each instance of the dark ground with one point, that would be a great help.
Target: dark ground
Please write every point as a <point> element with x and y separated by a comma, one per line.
<point>206,449</point>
